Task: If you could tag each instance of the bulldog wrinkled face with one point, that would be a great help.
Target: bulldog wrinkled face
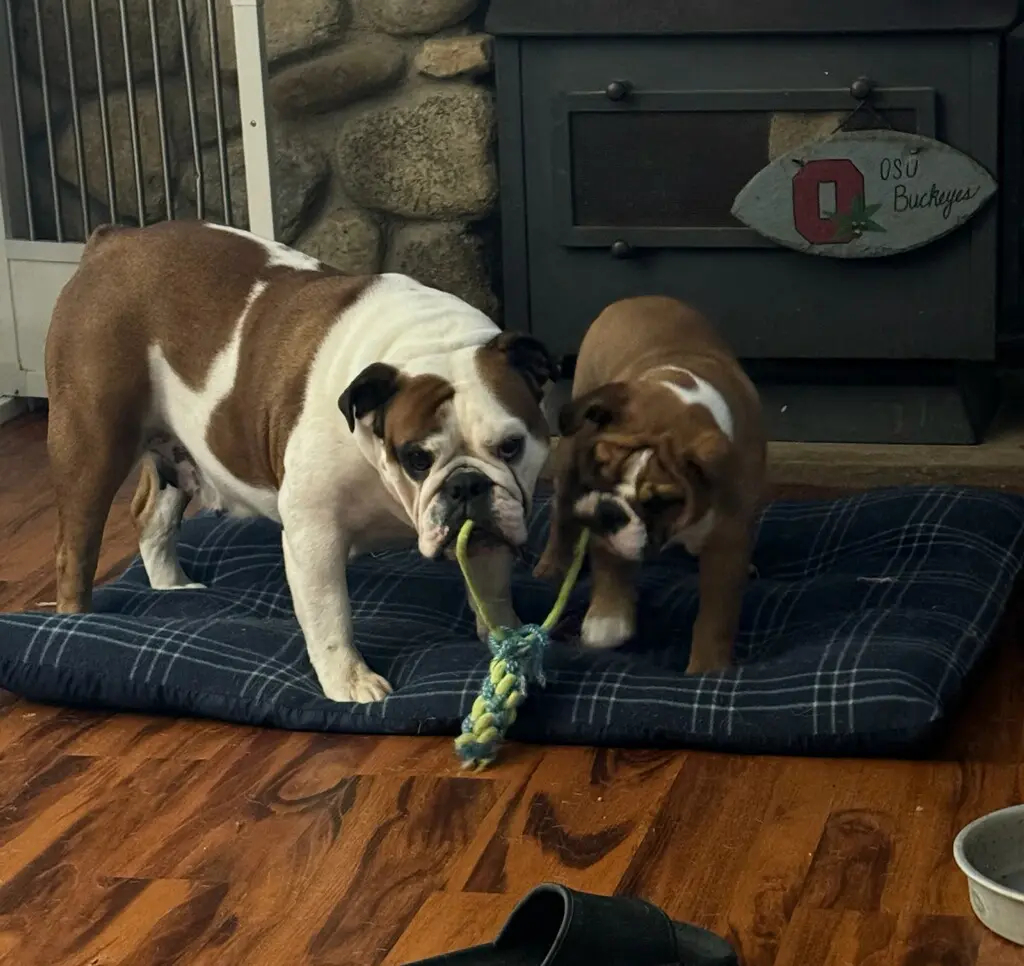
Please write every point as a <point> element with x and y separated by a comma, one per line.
<point>640,486</point>
<point>469,445</point>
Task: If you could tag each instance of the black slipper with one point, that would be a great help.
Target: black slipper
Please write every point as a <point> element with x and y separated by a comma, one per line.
<point>555,926</point>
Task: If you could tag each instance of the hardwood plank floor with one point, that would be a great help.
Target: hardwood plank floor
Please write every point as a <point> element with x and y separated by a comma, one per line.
<point>134,841</point>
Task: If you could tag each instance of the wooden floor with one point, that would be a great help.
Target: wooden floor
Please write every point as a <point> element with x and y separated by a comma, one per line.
<point>135,841</point>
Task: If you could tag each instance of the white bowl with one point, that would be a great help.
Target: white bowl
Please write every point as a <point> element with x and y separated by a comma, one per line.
<point>990,852</point>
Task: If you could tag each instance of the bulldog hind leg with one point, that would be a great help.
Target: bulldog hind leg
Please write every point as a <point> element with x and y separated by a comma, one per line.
<point>89,460</point>
<point>157,508</point>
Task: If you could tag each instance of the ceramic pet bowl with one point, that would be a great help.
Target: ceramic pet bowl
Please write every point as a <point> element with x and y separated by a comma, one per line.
<point>990,852</point>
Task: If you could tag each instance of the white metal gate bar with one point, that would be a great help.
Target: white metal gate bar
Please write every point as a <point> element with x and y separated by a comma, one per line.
<point>19,114</point>
<point>250,54</point>
<point>76,120</point>
<point>101,87</point>
<point>218,103</point>
<point>158,91</point>
<point>193,111</point>
<point>47,115</point>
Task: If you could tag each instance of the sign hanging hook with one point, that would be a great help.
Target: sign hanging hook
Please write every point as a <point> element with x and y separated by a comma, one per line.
<point>861,90</point>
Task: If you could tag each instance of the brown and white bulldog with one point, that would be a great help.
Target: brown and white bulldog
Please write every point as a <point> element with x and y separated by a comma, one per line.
<point>662,444</point>
<point>357,412</point>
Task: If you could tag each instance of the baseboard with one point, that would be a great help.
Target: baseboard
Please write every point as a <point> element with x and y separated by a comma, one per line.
<point>10,407</point>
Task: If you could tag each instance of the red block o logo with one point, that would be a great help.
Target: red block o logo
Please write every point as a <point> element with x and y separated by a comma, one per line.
<point>807,182</point>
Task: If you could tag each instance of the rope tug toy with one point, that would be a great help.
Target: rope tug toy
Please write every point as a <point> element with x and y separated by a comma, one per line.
<point>517,660</point>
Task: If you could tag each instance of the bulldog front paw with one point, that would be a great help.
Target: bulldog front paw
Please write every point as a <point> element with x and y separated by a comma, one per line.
<point>709,655</point>
<point>606,631</point>
<point>699,665</point>
<point>354,682</point>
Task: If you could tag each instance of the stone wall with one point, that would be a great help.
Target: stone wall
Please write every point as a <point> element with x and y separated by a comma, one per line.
<point>383,118</point>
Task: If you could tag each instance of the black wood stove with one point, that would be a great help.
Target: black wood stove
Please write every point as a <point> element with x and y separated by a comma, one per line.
<point>627,129</point>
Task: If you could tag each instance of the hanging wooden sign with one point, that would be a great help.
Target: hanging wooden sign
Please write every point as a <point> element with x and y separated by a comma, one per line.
<point>864,194</point>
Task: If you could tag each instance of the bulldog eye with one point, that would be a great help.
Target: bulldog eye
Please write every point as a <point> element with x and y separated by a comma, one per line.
<point>510,448</point>
<point>417,461</point>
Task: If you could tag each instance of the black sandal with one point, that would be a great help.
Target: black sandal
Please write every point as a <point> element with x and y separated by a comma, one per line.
<point>555,926</point>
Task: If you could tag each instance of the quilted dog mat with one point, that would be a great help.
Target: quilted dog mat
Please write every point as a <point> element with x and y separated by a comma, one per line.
<point>857,634</point>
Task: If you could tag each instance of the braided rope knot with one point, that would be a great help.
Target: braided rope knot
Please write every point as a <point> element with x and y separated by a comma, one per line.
<point>517,660</point>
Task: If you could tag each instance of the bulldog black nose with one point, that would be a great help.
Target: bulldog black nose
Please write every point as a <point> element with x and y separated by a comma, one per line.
<point>609,517</point>
<point>464,486</point>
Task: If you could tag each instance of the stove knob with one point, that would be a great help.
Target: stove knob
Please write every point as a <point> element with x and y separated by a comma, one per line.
<point>621,249</point>
<point>617,90</point>
<point>861,88</point>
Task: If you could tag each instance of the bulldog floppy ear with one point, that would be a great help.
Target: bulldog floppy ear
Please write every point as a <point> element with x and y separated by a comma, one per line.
<point>708,450</point>
<point>599,407</point>
<point>370,392</point>
<point>529,357</point>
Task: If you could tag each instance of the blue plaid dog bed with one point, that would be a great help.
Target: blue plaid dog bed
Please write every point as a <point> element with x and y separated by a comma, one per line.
<point>856,636</point>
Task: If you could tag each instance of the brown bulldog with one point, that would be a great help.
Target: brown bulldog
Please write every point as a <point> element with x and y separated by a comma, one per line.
<point>662,444</point>
<point>358,413</point>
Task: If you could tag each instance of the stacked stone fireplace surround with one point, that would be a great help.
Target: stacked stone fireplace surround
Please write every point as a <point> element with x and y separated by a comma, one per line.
<point>383,128</point>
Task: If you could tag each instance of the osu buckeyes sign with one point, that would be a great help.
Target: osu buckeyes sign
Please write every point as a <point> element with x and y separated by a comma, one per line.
<point>864,194</point>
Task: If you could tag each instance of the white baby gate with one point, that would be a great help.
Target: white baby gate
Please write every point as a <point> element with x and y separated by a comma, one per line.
<point>38,251</point>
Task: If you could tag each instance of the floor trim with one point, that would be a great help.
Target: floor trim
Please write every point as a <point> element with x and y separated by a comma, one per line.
<point>10,407</point>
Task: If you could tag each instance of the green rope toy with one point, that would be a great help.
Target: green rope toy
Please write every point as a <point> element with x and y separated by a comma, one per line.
<point>517,660</point>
